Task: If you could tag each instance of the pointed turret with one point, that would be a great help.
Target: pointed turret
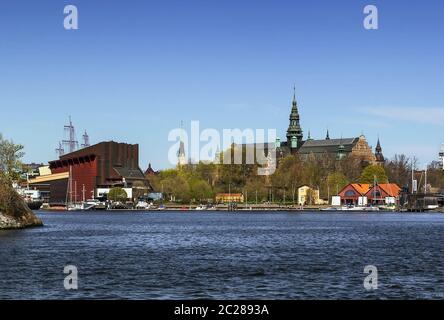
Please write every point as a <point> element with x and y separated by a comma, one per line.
<point>181,152</point>
<point>327,137</point>
<point>378,153</point>
<point>294,132</point>
<point>309,136</point>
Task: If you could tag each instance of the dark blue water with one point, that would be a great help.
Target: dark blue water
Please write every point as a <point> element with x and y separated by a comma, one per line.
<point>186,255</point>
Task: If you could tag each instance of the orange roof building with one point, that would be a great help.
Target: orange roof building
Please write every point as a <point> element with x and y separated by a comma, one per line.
<point>350,193</point>
<point>380,192</point>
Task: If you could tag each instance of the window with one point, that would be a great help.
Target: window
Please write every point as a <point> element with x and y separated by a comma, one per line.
<point>350,193</point>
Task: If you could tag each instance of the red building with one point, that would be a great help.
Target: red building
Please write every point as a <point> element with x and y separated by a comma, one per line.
<point>379,193</point>
<point>104,165</point>
<point>350,193</point>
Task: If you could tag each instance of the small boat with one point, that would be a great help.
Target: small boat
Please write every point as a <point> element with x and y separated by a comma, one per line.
<point>143,205</point>
<point>34,204</point>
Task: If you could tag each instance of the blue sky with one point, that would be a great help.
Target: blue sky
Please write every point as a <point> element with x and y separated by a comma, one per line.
<point>135,69</point>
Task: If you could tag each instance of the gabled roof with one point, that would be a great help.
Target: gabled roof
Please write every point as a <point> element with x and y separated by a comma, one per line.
<point>362,188</point>
<point>129,173</point>
<point>392,189</point>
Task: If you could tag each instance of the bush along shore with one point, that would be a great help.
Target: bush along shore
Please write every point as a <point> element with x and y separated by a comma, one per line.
<point>14,213</point>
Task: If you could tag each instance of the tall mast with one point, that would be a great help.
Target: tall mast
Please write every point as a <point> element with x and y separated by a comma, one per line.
<point>71,143</point>
<point>85,138</point>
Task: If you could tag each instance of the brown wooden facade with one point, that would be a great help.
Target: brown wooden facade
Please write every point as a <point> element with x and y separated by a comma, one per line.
<point>104,165</point>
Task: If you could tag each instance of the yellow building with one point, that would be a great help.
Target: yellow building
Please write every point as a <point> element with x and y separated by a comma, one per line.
<point>309,196</point>
<point>229,197</point>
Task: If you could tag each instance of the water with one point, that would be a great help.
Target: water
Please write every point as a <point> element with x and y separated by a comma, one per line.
<point>196,255</point>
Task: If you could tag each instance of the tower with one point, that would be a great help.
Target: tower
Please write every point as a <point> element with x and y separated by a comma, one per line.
<point>341,151</point>
<point>182,160</point>
<point>294,132</point>
<point>378,154</point>
<point>181,154</point>
<point>327,137</point>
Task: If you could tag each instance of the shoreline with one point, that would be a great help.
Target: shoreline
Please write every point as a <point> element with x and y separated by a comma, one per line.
<point>281,210</point>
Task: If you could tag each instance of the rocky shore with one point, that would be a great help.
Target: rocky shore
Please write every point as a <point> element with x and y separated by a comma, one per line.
<point>14,213</point>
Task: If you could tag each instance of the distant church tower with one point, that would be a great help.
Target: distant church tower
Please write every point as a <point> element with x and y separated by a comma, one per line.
<point>182,160</point>
<point>294,132</point>
<point>181,157</point>
<point>378,154</point>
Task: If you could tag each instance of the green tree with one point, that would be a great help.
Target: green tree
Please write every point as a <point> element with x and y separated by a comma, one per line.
<point>336,181</point>
<point>10,155</point>
<point>117,194</point>
<point>234,176</point>
<point>200,190</point>
<point>256,188</point>
<point>372,172</point>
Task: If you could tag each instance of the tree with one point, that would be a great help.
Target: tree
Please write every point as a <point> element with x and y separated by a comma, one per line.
<point>117,194</point>
<point>435,175</point>
<point>351,167</point>
<point>336,181</point>
<point>289,175</point>
<point>399,169</point>
<point>373,172</point>
<point>256,188</point>
<point>10,155</point>
<point>200,190</point>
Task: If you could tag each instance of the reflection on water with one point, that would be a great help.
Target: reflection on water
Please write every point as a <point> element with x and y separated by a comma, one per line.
<point>188,255</point>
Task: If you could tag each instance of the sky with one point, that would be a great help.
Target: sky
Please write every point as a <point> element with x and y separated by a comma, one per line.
<point>135,69</point>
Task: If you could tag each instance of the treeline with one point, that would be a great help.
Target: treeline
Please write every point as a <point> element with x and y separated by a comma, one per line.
<point>200,182</point>
<point>10,167</point>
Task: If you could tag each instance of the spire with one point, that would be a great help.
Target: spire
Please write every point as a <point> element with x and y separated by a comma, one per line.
<point>294,129</point>
<point>378,153</point>
<point>378,146</point>
<point>327,137</point>
<point>181,152</point>
<point>309,136</point>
